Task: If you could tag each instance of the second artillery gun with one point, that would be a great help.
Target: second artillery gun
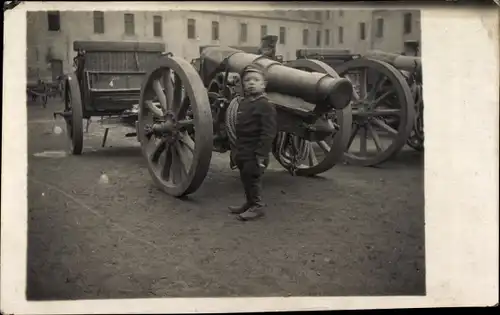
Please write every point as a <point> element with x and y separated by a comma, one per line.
<point>387,106</point>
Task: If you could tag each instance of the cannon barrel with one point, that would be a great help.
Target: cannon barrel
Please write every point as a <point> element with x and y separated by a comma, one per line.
<point>325,91</point>
<point>401,62</point>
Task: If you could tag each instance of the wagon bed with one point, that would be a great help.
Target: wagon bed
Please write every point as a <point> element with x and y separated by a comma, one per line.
<point>110,74</point>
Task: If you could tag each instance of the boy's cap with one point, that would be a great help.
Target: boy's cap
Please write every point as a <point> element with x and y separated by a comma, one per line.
<point>252,68</point>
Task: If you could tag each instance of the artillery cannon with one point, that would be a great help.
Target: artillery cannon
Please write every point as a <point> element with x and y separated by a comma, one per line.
<point>387,97</point>
<point>180,114</point>
<point>187,128</point>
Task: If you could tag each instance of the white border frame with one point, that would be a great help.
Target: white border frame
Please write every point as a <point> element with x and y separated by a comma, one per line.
<point>461,72</point>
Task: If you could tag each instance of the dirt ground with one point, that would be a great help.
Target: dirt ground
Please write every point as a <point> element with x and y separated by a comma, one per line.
<point>353,231</point>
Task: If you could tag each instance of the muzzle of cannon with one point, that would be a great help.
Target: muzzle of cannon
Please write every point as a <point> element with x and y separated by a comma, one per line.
<point>321,89</point>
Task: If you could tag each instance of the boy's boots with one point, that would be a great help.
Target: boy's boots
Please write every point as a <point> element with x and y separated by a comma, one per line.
<point>252,213</point>
<point>239,209</point>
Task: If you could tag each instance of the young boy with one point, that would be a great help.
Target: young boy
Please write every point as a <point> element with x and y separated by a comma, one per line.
<point>255,133</point>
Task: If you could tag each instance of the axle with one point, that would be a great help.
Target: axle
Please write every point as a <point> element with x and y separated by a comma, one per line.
<point>168,128</point>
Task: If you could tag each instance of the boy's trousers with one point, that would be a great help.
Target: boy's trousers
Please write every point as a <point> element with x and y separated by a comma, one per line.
<point>251,177</point>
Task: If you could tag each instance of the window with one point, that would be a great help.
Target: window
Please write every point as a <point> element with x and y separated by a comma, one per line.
<point>263,31</point>
<point>129,24</point>
<point>380,27</point>
<point>98,22</point>
<point>243,32</point>
<point>341,35</point>
<point>282,35</point>
<point>327,37</point>
<point>54,20</point>
<point>305,37</point>
<point>317,15</point>
<point>327,15</point>
<point>407,23</point>
<point>215,30</point>
<point>362,31</point>
<point>191,28</point>
<point>157,26</point>
<point>318,38</point>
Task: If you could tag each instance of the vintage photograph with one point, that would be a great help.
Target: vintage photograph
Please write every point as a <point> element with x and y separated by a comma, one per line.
<point>224,154</point>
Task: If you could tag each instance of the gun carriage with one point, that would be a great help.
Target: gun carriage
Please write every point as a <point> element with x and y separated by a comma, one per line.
<point>310,106</point>
<point>387,102</point>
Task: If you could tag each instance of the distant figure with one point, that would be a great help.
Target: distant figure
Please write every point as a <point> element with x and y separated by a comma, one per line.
<point>268,46</point>
<point>255,133</point>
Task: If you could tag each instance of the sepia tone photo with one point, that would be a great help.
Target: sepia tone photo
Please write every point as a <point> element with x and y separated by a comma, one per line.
<point>157,162</point>
<point>224,154</point>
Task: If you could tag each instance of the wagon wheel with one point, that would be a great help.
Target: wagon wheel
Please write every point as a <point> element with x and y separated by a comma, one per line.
<point>175,132</point>
<point>319,156</point>
<point>73,115</point>
<point>382,107</point>
<point>416,139</point>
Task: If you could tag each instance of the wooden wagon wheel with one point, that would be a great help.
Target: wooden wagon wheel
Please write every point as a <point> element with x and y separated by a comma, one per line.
<point>73,114</point>
<point>321,155</point>
<point>385,111</point>
<point>175,128</point>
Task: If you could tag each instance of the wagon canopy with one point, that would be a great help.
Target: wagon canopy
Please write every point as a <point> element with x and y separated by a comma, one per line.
<point>118,56</point>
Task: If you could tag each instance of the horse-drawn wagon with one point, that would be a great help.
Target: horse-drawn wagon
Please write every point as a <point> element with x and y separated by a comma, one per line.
<point>182,114</point>
<point>388,106</point>
<point>106,83</point>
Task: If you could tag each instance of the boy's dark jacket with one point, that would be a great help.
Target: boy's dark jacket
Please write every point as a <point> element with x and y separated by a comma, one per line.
<point>256,128</point>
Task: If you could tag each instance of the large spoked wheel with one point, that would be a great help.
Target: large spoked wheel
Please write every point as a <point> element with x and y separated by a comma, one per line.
<point>382,108</point>
<point>312,158</point>
<point>175,127</point>
<point>73,109</point>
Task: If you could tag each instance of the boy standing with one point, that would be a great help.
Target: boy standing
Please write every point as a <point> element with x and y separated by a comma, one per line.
<point>255,133</point>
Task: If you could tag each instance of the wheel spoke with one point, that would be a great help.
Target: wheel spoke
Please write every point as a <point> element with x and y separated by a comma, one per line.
<point>165,173</point>
<point>182,109</point>
<point>158,150</point>
<point>375,137</point>
<point>353,135</point>
<point>312,156</point>
<point>362,141</point>
<point>363,84</point>
<point>378,112</point>
<point>169,89</point>
<point>186,139</point>
<point>381,79</point>
<point>154,109</point>
<point>385,126</point>
<point>177,94</point>
<point>387,112</point>
<point>185,156</point>
<point>379,99</point>
<point>160,94</point>
<point>324,146</point>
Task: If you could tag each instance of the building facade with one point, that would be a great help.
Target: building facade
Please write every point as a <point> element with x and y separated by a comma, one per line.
<point>50,35</point>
